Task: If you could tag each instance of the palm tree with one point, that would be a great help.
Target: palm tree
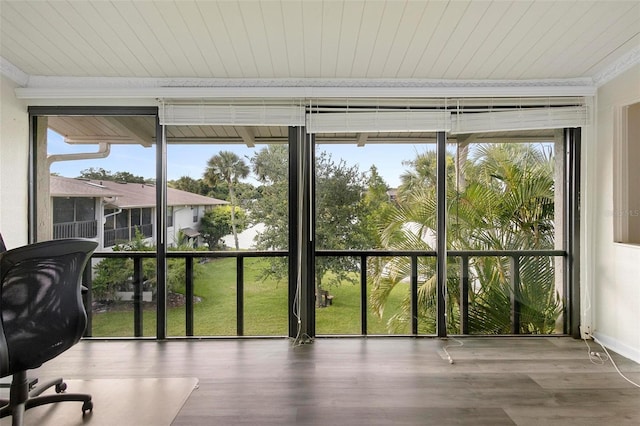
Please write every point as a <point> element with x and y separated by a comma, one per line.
<point>506,203</point>
<point>229,168</point>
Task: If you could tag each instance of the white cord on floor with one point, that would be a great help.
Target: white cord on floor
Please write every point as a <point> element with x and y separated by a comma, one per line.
<point>602,358</point>
<point>445,347</point>
<point>595,357</point>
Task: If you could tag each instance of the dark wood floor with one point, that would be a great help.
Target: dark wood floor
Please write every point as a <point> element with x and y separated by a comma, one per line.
<point>374,381</point>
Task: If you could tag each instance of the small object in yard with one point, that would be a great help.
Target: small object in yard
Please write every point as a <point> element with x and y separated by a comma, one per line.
<point>326,299</point>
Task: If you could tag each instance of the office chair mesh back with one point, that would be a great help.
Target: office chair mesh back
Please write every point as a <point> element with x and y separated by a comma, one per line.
<point>41,305</point>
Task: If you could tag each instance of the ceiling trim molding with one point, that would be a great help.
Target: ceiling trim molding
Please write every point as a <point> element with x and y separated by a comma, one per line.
<point>368,83</point>
<point>48,87</point>
<point>35,87</point>
<point>627,61</point>
<point>110,88</point>
<point>12,72</point>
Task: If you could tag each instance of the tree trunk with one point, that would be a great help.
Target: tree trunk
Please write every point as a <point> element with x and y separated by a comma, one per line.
<point>319,292</point>
<point>461,159</point>
<point>232,195</point>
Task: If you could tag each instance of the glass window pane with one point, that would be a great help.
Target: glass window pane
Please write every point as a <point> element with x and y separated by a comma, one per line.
<point>239,202</point>
<point>122,219</point>
<point>265,300</point>
<point>169,216</point>
<point>135,217</point>
<point>103,188</point>
<point>146,216</point>
<point>85,209</point>
<point>387,298</point>
<point>109,218</point>
<point>375,196</point>
<point>506,193</point>
<point>63,210</point>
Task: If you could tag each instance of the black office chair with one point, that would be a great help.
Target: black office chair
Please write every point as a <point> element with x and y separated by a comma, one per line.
<point>41,316</point>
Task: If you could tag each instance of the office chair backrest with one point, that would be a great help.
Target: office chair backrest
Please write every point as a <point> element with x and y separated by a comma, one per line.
<point>41,310</point>
<point>4,352</point>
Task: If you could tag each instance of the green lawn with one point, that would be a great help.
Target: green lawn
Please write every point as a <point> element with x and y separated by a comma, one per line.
<point>265,307</point>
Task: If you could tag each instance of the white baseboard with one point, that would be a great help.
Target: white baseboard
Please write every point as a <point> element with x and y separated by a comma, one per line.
<point>618,346</point>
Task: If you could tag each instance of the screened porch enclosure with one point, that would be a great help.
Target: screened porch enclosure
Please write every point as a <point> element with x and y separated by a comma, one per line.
<point>471,231</point>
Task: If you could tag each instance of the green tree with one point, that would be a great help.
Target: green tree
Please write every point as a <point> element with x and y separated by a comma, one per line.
<point>375,206</point>
<point>506,203</point>
<point>422,174</point>
<point>199,186</point>
<point>229,168</point>
<point>217,222</point>
<point>129,178</point>
<point>246,194</point>
<point>102,174</point>
<point>271,207</point>
<point>112,275</point>
<point>96,173</point>
<point>188,184</point>
<point>338,203</point>
<point>339,214</point>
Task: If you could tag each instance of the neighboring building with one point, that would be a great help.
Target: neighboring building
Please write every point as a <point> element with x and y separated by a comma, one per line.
<point>246,238</point>
<point>110,212</point>
<point>393,194</point>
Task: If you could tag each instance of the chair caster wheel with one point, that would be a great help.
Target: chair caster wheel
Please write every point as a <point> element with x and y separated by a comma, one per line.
<point>61,387</point>
<point>87,406</point>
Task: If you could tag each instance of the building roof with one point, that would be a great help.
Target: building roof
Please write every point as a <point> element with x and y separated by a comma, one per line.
<point>125,195</point>
<point>67,187</point>
<point>190,232</point>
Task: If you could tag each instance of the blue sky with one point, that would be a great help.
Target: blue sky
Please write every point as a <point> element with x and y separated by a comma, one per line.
<point>191,160</point>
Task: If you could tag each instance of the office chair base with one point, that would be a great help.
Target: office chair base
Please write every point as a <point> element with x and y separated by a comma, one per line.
<point>22,400</point>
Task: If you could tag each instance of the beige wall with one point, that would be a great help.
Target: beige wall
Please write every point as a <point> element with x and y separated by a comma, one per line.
<point>611,271</point>
<point>14,154</point>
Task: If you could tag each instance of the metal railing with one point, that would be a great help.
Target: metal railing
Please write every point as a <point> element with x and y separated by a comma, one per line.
<point>189,257</point>
<point>81,229</point>
<point>118,235</point>
<point>515,259</point>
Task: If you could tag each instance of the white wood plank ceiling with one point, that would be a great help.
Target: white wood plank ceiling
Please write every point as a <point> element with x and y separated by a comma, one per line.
<point>315,39</point>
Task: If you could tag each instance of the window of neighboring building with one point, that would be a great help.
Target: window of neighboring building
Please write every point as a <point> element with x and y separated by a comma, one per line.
<point>195,214</point>
<point>63,210</point>
<point>85,209</point>
<point>120,227</point>
<point>146,222</point>
<point>73,209</point>
<point>626,212</point>
<point>141,218</point>
<point>169,216</point>
<point>109,221</point>
<point>146,216</point>
<point>122,219</point>
<point>74,217</point>
<point>135,217</point>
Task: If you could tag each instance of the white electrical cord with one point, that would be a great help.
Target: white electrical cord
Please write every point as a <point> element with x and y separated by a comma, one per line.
<point>447,346</point>
<point>296,299</point>
<point>300,339</point>
<point>608,356</point>
<point>595,357</point>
